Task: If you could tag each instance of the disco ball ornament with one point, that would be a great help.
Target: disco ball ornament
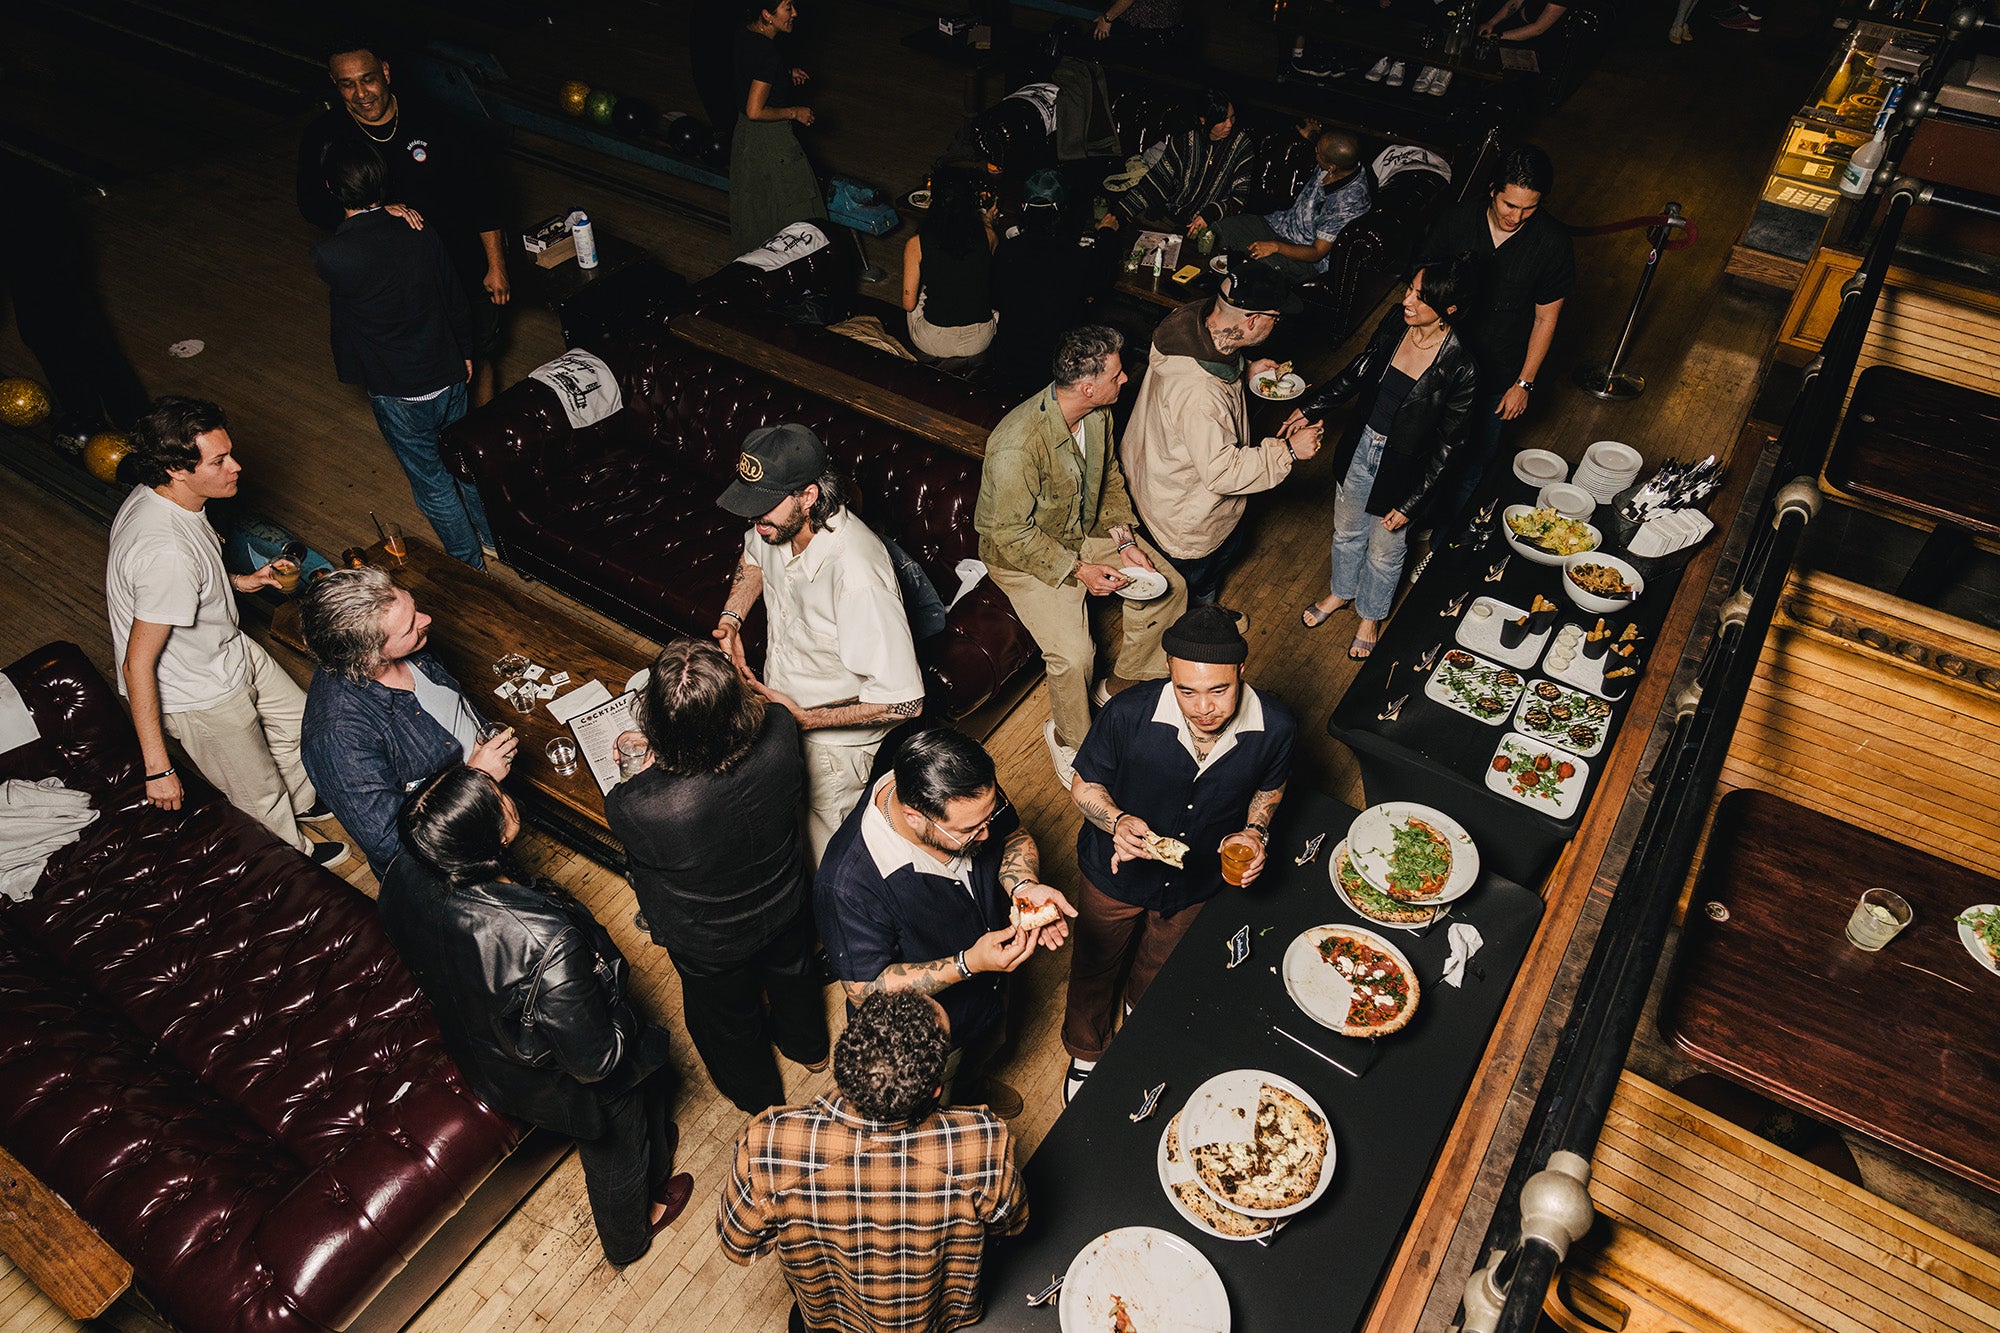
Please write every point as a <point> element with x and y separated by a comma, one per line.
<point>24,403</point>
<point>103,453</point>
<point>601,104</point>
<point>575,97</point>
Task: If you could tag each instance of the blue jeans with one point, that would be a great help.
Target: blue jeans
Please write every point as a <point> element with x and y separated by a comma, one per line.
<point>412,428</point>
<point>1367,557</point>
<point>1468,468</point>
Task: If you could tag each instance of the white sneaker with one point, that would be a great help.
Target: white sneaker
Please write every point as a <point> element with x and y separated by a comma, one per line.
<point>1100,693</point>
<point>1377,70</point>
<point>1394,78</point>
<point>1062,756</point>
<point>1424,77</point>
<point>1441,80</point>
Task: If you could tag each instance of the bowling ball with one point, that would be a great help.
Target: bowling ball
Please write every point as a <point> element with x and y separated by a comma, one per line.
<point>24,403</point>
<point>688,136</point>
<point>600,104</point>
<point>575,97</point>
<point>103,453</point>
<point>635,118</point>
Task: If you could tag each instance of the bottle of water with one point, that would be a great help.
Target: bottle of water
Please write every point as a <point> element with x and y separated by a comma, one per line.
<point>586,239</point>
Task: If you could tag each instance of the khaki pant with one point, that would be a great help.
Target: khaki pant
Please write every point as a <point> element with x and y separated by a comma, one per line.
<point>836,776</point>
<point>248,746</point>
<point>1060,623</point>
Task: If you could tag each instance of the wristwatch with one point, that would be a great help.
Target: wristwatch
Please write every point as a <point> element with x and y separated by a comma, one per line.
<point>1263,831</point>
<point>1529,385</point>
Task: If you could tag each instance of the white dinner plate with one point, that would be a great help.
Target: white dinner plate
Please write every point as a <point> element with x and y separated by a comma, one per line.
<point>1481,633</point>
<point>1146,584</point>
<point>637,681</point>
<point>1188,1214</point>
<point>1238,1084</point>
<point>1333,873</point>
<point>1289,386</point>
<point>1219,264</point>
<point>1540,467</point>
<point>1561,795</point>
<point>1971,941</point>
<point>1319,991</point>
<point>1164,1282</point>
<point>1371,837</point>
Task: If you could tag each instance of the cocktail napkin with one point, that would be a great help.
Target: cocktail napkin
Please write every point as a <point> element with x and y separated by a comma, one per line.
<point>1667,532</point>
<point>970,572</point>
<point>1465,942</point>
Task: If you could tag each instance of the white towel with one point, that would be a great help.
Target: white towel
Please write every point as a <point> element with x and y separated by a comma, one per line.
<point>37,820</point>
<point>17,724</point>
<point>793,243</point>
<point>588,389</point>
<point>1465,942</point>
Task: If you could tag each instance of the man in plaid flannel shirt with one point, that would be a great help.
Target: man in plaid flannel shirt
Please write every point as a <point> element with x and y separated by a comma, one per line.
<point>877,1201</point>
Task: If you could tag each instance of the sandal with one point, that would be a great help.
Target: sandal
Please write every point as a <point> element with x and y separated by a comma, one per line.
<point>1313,617</point>
<point>1361,649</point>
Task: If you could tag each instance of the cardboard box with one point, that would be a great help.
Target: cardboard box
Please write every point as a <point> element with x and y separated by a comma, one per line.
<point>559,252</point>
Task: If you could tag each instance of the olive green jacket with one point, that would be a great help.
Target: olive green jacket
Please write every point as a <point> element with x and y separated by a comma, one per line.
<point>1037,500</point>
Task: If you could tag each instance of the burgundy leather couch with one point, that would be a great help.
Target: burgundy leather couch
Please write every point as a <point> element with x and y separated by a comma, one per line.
<point>209,1049</point>
<point>622,516</point>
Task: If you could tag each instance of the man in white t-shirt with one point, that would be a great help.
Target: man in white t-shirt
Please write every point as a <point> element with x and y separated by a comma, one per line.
<point>840,657</point>
<point>188,669</point>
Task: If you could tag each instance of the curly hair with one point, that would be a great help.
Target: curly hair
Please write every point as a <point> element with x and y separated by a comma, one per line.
<point>165,439</point>
<point>890,1060</point>
<point>697,714</point>
<point>1082,352</point>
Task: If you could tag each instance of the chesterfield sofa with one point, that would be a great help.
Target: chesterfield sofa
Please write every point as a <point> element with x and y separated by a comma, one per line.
<point>621,514</point>
<point>209,1049</point>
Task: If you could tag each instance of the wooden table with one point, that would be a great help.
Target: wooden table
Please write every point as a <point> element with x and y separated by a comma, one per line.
<point>1902,1045</point>
<point>477,619</point>
<point>1927,448</point>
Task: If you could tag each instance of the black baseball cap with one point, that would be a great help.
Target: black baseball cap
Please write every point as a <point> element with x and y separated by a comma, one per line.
<point>777,461</point>
<point>1256,289</point>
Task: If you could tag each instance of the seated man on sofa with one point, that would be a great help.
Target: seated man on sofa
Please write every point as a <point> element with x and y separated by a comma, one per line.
<point>839,656</point>
<point>1295,242</point>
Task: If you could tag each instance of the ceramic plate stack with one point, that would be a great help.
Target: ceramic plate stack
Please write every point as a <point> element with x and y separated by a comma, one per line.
<point>1608,467</point>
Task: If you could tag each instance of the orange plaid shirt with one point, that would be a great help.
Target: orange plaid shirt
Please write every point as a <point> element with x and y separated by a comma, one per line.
<point>879,1226</point>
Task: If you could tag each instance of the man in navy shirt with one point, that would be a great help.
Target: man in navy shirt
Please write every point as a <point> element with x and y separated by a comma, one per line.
<point>915,891</point>
<point>1201,759</point>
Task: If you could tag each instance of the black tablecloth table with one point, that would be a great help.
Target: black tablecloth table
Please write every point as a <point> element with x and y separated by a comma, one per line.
<point>1097,1171</point>
<point>1439,756</point>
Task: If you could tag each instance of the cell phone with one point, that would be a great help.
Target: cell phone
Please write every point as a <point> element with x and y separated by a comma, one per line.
<point>1187,273</point>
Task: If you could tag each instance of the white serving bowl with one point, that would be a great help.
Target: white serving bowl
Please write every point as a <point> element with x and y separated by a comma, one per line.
<point>1567,500</point>
<point>1590,601</point>
<point>1536,553</point>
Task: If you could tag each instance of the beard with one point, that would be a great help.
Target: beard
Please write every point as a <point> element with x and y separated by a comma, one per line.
<point>784,532</point>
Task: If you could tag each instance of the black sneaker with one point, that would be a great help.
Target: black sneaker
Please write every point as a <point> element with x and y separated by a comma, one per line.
<point>329,855</point>
<point>319,814</point>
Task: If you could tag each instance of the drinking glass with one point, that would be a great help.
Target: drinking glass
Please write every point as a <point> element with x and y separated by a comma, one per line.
<point>1238,851</point>
<point>631,751</point>
<point>287,571</point>
<point>392,540</point>
<point>562,755</point>
<point>1878,918</point>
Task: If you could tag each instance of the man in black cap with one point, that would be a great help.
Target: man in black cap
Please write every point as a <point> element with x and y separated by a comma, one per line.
<point>1169,773</point>
<point>1188,452</point>
<point>838,654</point>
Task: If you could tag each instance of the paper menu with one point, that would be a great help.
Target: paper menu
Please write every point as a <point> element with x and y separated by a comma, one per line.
<point>596,730</point>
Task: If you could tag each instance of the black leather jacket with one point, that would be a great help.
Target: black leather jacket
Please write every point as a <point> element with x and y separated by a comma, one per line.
<point>1428,428</point>
<point>529,992</point>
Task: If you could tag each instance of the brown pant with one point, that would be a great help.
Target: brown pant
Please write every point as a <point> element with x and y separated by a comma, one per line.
<point>1100,940</point>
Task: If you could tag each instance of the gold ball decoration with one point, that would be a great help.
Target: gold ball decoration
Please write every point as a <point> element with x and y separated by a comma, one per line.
<point>24,403</point>
<point>575,97</point>
<point>103,453</point>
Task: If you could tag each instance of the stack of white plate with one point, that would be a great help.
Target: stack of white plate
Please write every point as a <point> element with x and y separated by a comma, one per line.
<point>1608,467</point>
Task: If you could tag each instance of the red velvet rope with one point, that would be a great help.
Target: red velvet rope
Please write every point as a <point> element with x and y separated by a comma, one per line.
<point>1683,238</point>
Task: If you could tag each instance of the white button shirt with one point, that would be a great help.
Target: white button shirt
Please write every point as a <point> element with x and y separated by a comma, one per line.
<point>837,627</point>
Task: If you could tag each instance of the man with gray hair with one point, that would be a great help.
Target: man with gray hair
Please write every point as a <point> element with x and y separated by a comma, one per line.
<point>383,716</point>
<point>1294,242</point>
<point>1056,525</point>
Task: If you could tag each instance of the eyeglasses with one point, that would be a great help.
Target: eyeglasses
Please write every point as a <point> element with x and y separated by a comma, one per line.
<point>960,841</point>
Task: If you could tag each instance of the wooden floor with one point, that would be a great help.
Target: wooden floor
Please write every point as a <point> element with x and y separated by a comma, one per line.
<point>199,239</point>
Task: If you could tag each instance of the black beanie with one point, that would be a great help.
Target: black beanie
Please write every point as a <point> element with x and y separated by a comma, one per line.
<point>1206,634</point>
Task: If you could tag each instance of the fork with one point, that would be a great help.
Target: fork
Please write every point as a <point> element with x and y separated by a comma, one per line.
<point>1393,711</point>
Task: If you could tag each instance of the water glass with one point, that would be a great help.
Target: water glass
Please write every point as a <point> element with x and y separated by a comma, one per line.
<point>562,755</point>
<point>1878,918</point>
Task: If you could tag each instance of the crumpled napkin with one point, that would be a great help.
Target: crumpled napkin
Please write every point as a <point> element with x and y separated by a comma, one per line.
<point>1465,942</point>
<point>970,572</point>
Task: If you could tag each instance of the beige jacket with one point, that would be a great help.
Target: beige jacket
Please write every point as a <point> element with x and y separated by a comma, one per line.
<point>1183,453</point>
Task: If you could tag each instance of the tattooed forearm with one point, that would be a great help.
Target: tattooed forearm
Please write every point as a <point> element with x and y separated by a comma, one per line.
<point>745,587</point>
<point>1095,801</point>
<point>1263,805</point>
<point>854,713</point>
<point>1021,862</point>
<point>919,978</point>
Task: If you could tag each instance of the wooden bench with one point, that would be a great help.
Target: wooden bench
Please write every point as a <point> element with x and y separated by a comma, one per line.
<point>1714,1230</point>
<point>55,1248</point>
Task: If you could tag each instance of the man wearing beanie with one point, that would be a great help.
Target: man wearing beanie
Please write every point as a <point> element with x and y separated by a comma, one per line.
<point>1199,759</point>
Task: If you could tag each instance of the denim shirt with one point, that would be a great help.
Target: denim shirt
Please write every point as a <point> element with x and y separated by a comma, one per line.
<point>366,746</point>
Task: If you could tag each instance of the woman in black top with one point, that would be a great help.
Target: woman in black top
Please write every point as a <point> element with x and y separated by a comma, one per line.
<point>717,862</point>
<point>1415,383</point>
<point>948,272</point>
<point>529,993</point>
<point>771,185</point>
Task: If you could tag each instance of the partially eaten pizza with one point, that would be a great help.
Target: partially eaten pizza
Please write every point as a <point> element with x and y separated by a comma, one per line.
<point>1029,915</point>
<point>1167,851</point>
<point>1278,1168</point>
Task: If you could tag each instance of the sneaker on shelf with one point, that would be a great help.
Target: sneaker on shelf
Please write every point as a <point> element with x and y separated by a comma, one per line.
<point>1079,1070</point>
<point>1317,67</point>
<point>1423,80</point>
<point>1062,756</point>
<point>328,855</point>
<point>1440,80</point>
<point>995,1096</point>
<point>1394,78</point>
<point>319,814</point>
<point>1380,70</point>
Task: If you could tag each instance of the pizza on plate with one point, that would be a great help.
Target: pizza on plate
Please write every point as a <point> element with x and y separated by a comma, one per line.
<point>1226,1221</point>
<point>1375,905</point>
<point>1385,991</point>
<point>1279,1167</point>
<point>1419,862</point>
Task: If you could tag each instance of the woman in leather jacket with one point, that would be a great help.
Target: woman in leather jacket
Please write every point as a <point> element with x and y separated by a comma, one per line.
<point>1415,383</point>
<point>529,992</point>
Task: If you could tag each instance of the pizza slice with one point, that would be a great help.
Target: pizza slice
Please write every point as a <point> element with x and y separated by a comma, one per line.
<point>1168,851</point>
<point>1028,915</point>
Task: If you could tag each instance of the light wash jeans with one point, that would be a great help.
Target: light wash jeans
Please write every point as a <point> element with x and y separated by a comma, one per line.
<point>412,427</point>
<point>1367,557</point>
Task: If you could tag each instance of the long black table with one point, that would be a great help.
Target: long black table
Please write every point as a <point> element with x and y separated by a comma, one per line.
<point>1096,1171</point>
<point>1440,756</point>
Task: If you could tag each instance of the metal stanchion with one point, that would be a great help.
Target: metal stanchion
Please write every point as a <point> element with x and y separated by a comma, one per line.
<point>1610,380</point>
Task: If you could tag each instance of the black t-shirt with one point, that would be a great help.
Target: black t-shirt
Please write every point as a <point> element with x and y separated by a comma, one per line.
<point>759,60</point>
<point>1534,266</point>
<point>716,859</point>
<point>434,166</point>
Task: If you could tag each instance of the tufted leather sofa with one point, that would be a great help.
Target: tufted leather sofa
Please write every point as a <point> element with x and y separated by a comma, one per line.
<point>622,514</point>
<point>209,1049</point>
